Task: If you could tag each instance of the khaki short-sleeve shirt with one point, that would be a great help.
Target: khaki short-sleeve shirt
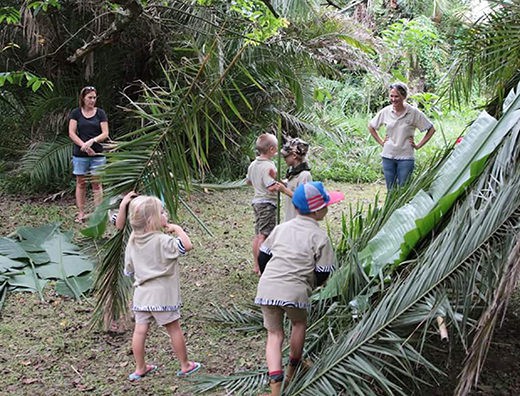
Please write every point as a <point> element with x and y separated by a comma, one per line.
<point>298,247</point>
<point>292,183</point>
<point>258,175</point>
<point>399,129</point>
<point>152,261</point>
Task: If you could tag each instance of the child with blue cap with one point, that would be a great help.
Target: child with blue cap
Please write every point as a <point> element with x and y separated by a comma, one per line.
<point>295,258</point>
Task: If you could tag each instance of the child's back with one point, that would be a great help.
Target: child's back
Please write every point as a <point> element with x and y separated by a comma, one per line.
<point>299,256</point>
<point>299,247</point>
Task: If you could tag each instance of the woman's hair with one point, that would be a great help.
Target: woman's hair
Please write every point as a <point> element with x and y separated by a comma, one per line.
<point>145,214</point>
<point>401,88</point>
<point>84,92</point>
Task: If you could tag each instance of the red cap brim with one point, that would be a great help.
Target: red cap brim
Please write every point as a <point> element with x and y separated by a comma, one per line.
<point>335,197</point>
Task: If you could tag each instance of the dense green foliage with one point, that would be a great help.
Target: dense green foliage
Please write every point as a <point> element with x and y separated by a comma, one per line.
<point>144,43</point>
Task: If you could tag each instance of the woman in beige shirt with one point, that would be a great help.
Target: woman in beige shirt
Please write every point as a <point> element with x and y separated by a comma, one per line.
<point>401,121</point>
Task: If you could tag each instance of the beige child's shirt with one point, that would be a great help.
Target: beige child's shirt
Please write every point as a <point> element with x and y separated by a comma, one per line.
<point>152,261</point>
<point>293,182</point>
<point>298,247</point>
<point>399,129</point>
<point>258,175</point>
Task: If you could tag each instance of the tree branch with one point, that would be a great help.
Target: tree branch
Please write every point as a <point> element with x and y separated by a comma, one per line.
<point>132,10</point>
<point>270,6</point>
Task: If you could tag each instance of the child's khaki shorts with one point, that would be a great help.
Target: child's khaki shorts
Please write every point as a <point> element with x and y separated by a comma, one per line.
<point>265,218</point>
<point>273,316</point>
<point>162,318</point>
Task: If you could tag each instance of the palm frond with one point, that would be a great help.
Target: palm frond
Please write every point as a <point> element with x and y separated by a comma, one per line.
<point>247,383</point>
<point>247,318</point>
<point>488,55</point>
<point>48,161</point>
<point>111,288</point>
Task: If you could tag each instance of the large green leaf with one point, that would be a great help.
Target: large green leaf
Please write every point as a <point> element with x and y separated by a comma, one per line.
<point>44,253</point>
<point>97,222</point>
<point>37,235</point>
<point>26,282</point>
<point>68,265</point>
<point>6,263</point>
<point>12,250</point>
<point>74,286</point>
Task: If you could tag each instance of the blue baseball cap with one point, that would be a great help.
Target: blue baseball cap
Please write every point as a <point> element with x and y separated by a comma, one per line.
<point>312,196</point>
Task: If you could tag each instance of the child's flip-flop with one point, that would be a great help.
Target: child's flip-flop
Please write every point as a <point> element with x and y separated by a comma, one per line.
<point>135,376</point>
<point>194,367</point>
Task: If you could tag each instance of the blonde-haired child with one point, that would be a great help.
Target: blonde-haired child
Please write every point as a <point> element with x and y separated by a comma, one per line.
<point>151,258</point>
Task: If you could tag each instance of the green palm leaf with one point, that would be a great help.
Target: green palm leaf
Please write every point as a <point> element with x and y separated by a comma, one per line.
<point>47,161</point>
<point>463,268</point>
<point>456,260</point>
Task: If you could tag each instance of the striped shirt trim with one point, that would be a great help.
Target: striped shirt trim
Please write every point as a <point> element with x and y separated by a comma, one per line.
<point>265,249</point>
<point>281,303</point>
<point>324,268</point>
<point>156,308</point>
<point>180,246</point>
<point>263,201</point>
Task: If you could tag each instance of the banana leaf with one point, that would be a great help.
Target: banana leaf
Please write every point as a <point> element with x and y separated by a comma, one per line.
<point>97,222</point>
<point>80,285</point>
<point>26,282</point>
<point>6,263</point>
<point>40,254</point>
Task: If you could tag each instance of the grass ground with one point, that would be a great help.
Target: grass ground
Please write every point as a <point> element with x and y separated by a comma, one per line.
<point>49,349</point>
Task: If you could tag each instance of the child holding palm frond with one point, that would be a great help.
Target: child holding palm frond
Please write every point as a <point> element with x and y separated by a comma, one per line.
<point>151,258</point>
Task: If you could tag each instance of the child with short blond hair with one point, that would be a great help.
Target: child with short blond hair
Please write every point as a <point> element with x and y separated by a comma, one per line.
<point>151,258</point>
<point>261,174</point>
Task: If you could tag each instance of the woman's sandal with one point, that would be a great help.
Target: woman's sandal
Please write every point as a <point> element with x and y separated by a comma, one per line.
<point>135,376</point>
<point>79,219</point>
<point>194,367</point>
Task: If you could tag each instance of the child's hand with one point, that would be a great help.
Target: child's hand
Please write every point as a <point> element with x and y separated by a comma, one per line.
<point>282,187</point>
<point>181,234</point>
<point>128,197</point>
<point>173,228</point>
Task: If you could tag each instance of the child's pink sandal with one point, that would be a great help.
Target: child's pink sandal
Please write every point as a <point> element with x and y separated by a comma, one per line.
<point>194,367</point>
<point>135,376</point>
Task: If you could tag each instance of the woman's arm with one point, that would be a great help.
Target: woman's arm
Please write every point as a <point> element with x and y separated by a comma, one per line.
<point>425,139</point>
<point>73,133</point>
<point>376,136</point>
<point>99,138</point>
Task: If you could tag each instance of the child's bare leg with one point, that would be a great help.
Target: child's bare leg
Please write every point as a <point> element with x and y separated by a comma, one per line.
<point>257,242</point>
<point>178,343</point>
<point>138,343</point>
<point>97,191</point>
<point>273,350</point>
<point>297,339</point>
